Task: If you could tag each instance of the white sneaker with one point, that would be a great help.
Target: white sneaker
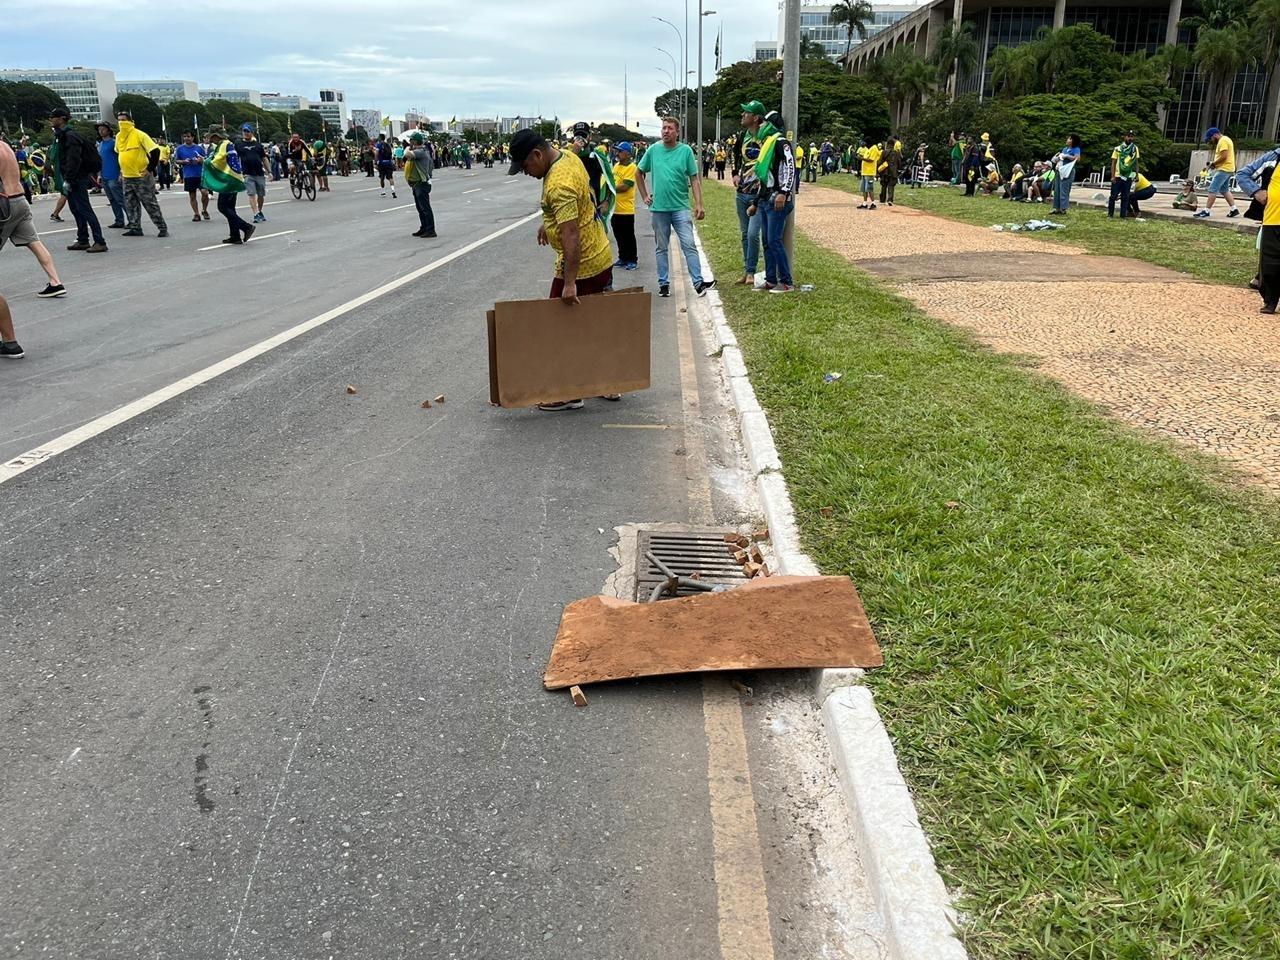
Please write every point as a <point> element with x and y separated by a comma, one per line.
<point>383,193</point>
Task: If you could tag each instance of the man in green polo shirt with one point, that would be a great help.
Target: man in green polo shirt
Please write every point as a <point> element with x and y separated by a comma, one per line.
<point>674,169</point>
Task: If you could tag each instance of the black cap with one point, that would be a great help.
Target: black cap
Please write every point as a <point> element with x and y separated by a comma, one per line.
<point>60,112</point>
<point>582,130</point>
<point>522,144</point>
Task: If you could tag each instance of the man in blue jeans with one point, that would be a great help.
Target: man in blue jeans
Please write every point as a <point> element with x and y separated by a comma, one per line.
<point>776,199</point>
<point>674,169</point>
<point>745,156</point>
<point>110,173</point>
<point>79,163</point>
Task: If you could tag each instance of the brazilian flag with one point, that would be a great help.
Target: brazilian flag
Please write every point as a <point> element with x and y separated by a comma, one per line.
<point>608,184</point>
<point>222,172</point>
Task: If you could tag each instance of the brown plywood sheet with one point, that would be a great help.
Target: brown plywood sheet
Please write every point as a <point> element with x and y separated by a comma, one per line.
<point>770,623</point>
<point>543,351</point>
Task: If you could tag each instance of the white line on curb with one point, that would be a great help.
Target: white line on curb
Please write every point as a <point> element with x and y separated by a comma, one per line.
<point>25,461</point>
<point>918,916</point>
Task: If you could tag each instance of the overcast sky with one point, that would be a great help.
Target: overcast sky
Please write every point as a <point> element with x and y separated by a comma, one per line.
<point>479,58</point>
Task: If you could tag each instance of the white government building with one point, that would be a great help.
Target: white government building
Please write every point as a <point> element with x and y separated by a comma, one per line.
<point>89,93</point>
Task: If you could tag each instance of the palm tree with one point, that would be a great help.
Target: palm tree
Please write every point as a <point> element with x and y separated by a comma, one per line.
<point>916,80</point>
<point>956,52</point>
<point>1264,18</point>
<point>1215,15</point>
<point>906,78</point>
<point>1013,70</point>
<point>1220,53</point>
<point>855,15</point>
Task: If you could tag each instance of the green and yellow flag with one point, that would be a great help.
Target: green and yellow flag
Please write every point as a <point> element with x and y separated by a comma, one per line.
<point>222,173</point>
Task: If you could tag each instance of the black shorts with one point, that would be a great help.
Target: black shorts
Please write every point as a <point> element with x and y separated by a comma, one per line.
<point>191,184</point>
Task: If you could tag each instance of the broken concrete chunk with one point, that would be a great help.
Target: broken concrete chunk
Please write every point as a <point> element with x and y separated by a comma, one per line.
<point>756,555</point>
<point>751,569</point>
<point>761,534</point>
<point>579,698</point>
<point>741,556</point>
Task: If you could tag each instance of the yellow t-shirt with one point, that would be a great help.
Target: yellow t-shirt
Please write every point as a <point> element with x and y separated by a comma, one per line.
<point>799,158</point>
<point>1142,183</point>
<point>626,197</point>
<point>1225,143</point>
<point>566,198</point>
<point>133,148</point>
<point>870,157</point>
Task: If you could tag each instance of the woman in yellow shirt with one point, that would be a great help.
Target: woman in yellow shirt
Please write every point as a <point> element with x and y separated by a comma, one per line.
<point>869,161</point>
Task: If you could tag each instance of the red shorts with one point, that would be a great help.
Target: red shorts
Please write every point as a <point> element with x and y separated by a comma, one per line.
<point>586,286</point>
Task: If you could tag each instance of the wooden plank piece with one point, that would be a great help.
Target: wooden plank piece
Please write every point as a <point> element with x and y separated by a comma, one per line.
<point>768,623</point>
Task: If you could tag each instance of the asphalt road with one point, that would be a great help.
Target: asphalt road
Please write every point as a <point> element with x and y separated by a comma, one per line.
<point>272,659</point>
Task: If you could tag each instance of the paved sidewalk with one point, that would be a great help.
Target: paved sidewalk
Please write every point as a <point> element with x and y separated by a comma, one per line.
<point>1195,362</point>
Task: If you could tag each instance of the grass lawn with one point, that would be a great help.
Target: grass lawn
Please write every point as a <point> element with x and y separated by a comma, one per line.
<point>1210,253</point>
<point>1081,625</point>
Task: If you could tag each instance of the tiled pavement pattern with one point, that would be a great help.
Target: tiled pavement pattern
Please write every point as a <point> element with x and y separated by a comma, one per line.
<point>1192,361</point>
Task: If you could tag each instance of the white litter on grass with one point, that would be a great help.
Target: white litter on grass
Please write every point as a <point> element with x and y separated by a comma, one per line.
<point>1030,225</point>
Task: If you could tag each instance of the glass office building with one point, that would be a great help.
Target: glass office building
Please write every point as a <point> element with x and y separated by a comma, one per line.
<point>163,92</point>
<point>88,93</point>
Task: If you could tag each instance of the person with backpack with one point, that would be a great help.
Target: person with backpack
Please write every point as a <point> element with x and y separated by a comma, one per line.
<point>79,162</point>
<point>386,165</point>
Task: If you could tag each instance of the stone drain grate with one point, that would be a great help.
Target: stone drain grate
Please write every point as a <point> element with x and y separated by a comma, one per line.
<point>686,552</point>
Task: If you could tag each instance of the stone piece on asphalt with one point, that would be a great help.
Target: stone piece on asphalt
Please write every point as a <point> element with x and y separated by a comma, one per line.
<point>425,404</point>
<point>579,698</point>
<point>773,623</point>
<point>351,389</point>
<point>440,399</point>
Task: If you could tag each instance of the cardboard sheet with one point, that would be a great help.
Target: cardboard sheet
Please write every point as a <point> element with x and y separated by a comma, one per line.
<point>770,623</point>
<point>543,351</point>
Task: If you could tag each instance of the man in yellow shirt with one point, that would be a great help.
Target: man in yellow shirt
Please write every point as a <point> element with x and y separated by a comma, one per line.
<point>1223,166</point>
<point>139,159</point>
<point>869,160</point>
<point>569,225</point>
<point>624,214</point>
<point>164,175</point>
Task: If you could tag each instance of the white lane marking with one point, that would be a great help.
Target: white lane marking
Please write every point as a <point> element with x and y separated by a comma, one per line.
<point>476,190</point>
<point>270,202</point>
<point>403,206</point>
<point>25,461</point>
<point>366,189</point>
<point>511,180</point>
<point>265,236</point>
<point>50,233</point>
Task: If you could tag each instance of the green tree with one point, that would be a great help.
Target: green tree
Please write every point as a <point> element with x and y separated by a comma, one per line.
<point>1076,59</point>
<point>358,135</point>
<point>1014,70</point>
<point>308,123</point>
<point>1264,19</point>
<point>812,50</point>
<point>1214,14</point>
<point>144,111</point>
<point>853,15</point>
<point>906,78</point>
<point>182,115</point>
<point>31,103</point>
<point>548,129</point>
<point>956,53</point>
<point>1220,52</point>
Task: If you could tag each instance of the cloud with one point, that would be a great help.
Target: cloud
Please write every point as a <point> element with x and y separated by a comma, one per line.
<point>494,58</point>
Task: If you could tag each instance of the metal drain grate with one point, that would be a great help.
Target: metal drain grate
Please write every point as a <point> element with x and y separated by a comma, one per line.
<point>686,552</point>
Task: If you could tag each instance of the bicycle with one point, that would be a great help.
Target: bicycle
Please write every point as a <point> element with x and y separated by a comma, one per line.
<point>302,181</point>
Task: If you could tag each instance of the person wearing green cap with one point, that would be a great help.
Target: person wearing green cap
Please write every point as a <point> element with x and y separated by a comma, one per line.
<point>747,185</point>
<point>418,167</point>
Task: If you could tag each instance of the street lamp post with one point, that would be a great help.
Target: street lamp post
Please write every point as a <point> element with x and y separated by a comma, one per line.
<point>701,14</point>
<point>684,65</point>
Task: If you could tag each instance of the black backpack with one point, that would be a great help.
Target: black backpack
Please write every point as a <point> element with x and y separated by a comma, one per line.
<point>92,160</point>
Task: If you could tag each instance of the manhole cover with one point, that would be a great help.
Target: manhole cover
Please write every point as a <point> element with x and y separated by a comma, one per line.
<point>686,552</point>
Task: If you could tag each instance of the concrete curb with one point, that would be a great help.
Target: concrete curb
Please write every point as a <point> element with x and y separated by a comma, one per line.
<point>919,920</point>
